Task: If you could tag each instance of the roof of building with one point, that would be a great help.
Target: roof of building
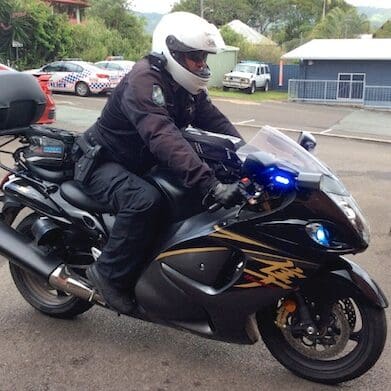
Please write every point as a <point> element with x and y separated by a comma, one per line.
<point>342,49</point>
<point>80,3</point>
<point>249,33</point>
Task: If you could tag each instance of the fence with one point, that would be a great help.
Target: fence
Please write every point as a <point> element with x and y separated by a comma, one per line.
<point>340,92</point>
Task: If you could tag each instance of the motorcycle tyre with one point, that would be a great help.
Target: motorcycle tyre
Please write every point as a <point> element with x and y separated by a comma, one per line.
<point>361,359</point>
<point>66,308</point>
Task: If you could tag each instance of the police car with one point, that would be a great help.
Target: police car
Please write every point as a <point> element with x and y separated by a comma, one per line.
<point>80,77</point>
<point>120,66</point>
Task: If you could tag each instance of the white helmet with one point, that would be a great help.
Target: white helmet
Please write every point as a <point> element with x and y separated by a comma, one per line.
<point>183,32</point>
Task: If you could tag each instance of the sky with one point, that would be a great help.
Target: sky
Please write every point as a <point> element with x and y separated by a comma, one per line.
<point>164,6</point>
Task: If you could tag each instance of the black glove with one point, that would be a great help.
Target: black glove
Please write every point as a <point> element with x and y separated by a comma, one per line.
<point>227,195</point>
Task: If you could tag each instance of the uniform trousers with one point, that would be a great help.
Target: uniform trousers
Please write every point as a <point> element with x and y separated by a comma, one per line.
<point>135,203</point>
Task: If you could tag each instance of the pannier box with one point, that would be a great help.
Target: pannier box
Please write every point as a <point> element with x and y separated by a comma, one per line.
<point>22,101</point>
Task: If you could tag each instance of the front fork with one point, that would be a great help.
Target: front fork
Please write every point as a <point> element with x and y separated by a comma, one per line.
<point>304,324</point>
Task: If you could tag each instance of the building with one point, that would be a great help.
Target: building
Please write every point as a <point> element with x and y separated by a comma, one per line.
<point>343,71</point>
<point>249,33</point>
<point>222,63</point>
<point>73,8</point>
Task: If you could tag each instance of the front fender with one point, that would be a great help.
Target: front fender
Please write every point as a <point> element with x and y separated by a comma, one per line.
<point>361,280</point>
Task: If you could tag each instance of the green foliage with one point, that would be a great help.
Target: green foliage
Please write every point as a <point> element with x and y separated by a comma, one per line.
<point>384,31</point>
<point>267,53</point>
<point>339,23</point>
<point>44,36</point>
<point>218,12</point>
<point>93,41</point>
<point>124,32</point>
<point>265,13</point>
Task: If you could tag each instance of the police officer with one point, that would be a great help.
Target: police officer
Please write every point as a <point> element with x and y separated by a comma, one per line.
<point>139,128</point>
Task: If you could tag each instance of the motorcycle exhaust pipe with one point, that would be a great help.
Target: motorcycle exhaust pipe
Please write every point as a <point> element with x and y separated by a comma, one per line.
<point>19,249</point>
<point>67,281</point>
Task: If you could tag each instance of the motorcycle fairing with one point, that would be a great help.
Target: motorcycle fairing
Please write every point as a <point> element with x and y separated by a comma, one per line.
<point>360,278</point>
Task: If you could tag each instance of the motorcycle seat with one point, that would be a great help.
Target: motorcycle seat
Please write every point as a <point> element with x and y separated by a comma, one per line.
<point>73,192</point>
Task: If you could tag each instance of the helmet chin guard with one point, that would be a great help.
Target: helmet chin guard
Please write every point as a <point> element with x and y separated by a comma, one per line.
<point>182,32</point>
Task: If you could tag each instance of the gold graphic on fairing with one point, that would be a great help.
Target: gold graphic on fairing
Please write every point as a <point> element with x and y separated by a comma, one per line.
<point>279,273</point>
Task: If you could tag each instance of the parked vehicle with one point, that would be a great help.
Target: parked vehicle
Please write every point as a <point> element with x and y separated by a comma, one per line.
<point>122,67</point>
<point>274,266</point>
<point>248,76</point>
<point>79,77</point>
<point>49,115</point>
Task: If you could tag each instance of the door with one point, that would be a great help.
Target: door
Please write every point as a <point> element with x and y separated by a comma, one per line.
<point>351,86</point>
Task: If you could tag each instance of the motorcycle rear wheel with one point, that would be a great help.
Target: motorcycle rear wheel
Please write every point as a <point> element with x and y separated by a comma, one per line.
<point>37,291</point>
<point>353,347</point>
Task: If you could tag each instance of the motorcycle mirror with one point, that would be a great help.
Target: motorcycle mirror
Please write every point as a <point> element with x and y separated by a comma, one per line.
<point>307,141</point>
<point>307,180</point>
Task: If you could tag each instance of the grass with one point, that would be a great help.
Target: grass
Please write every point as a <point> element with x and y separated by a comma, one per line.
<point>258,96</point>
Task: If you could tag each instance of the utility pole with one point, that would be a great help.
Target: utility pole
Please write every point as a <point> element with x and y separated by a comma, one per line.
<point>202,8</point>
<point>324,9</point>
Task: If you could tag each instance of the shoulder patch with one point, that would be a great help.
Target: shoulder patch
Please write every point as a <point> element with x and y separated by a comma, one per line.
<point>158,96</point>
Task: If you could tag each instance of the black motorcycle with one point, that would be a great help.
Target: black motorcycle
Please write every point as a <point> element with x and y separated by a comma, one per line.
<point>273,266</point>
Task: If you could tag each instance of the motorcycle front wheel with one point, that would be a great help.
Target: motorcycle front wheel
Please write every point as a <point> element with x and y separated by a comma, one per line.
<point>348,341</point>
<point>37,291</point>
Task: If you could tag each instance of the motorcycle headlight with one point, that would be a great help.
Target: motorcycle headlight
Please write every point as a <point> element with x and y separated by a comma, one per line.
<point>352,211</point>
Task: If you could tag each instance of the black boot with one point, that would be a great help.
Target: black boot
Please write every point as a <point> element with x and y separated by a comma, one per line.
<point>113,297</point>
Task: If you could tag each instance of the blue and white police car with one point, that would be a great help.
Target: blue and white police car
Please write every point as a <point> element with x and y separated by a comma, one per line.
<point>120,66</point>
<point>80,77</point>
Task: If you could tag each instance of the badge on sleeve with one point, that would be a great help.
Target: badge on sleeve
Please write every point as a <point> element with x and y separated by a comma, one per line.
<point>157,96</point>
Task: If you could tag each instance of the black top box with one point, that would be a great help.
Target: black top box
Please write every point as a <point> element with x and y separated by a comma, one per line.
<point>22,100</point>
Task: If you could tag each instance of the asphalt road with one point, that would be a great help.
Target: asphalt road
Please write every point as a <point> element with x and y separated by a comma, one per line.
<point>100,351</point>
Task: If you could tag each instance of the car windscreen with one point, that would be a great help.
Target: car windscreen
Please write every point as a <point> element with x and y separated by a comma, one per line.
<point>245,68</point>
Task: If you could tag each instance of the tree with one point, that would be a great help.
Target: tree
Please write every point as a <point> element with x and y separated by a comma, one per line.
<point>339,23</point>
<point>117,17</point>
<point>43,34</point>
<point>218,12</point>
<point>265,13</point>
<point>247,50</point>
<point>384,31</point>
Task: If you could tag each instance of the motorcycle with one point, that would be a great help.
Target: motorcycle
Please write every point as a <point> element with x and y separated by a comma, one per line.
<point>274,267</point>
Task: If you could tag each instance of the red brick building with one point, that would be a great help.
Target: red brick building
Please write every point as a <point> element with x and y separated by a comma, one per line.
<point>73,8</point>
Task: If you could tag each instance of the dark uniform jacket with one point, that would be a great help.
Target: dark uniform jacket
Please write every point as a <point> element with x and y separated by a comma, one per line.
<point>139,126</point>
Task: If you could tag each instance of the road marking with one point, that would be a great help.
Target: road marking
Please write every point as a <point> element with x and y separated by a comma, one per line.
<point>244,122</point>
<point>64,102</point>
<point>325,131</point>
<point>376,140</point>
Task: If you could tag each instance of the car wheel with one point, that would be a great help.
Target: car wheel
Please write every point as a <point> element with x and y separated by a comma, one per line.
<point>225,88</point>
<point>266,87</point>
<point>252,88</point>
<point>82,89</point>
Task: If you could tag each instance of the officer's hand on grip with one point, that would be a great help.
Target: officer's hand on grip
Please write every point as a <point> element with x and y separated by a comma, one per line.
<point>227,195</point>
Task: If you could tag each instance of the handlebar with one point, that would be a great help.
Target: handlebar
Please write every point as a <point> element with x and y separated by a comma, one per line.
<point>249,198</point>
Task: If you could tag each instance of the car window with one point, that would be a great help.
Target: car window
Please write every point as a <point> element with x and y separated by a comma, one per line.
<point>245,68</point>
<point>101,65</point>
<point>114,67</point>
<point>73,68</point>
<point>53,67</point>
<point>262,70</point>
<point>267,70</point>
